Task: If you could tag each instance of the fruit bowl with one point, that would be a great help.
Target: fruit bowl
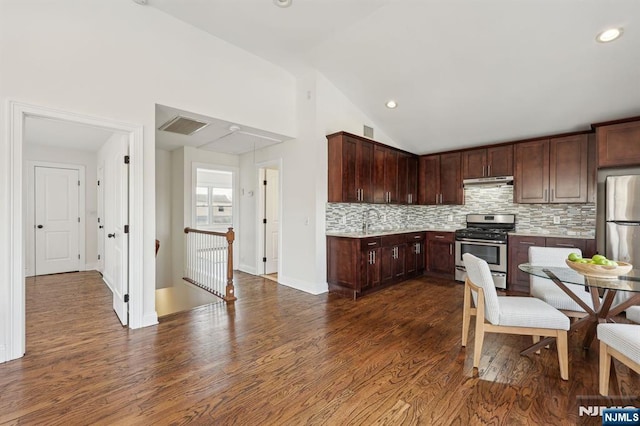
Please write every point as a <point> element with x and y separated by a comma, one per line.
<point>600,271</point>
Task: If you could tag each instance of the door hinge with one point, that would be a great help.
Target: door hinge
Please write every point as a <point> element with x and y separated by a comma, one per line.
<point>264,220</point>
<point>264,259</point>
<point>98,257</point>
<point>126,298</point>
<point>98,220</point>
<point>98,183</point>
<point>264,182</point>
<point>78,220</point>
<point>126,229</point>
<point>126,159</point>
<point>78,257</point>
<point>78,183</point>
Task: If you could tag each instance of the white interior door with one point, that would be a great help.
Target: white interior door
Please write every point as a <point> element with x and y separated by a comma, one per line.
<point>116,216</point>
<point>272,215</point>
<point>56,220</point>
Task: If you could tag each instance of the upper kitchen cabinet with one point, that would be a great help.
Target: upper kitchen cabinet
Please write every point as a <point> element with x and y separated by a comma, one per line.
<point>385,175</point>
<point>487,162</point>
<point>407,179</point>
<point>350,169</point>
<point>440,179</point>
<point>552,170</point>
<point>618,143</point>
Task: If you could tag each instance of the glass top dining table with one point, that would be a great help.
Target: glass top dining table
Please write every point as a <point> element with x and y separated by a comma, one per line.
<point>603,308</point>
<point>627,282</point>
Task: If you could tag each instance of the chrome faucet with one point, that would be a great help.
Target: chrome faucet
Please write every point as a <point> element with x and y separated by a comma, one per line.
<point>366,219</point>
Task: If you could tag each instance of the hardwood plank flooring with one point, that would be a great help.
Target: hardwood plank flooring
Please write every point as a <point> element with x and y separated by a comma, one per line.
<point>279,356</point>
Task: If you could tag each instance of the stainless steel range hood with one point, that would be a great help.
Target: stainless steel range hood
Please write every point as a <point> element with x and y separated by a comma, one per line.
<point>488,181</point>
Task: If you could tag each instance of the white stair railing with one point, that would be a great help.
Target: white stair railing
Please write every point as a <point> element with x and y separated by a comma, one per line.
<point>209,261</point>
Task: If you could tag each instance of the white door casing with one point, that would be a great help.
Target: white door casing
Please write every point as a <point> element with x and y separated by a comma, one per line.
<point>100,208</point>
<point>273,225</point>
<point>57,220</point>
<point>115,182</point>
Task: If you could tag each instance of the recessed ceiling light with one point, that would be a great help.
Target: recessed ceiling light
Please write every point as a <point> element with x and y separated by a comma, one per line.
<point>282,3</point>
<point>391,104</point>
<point>609,35</point>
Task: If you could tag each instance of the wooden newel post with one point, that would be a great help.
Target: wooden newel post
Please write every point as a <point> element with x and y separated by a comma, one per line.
<point>230,290</point>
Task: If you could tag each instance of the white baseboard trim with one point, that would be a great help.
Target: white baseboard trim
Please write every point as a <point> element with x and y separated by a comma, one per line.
<point>306,286</point>
<point>107,283</point>
<point>247,269</point>
<point>149,319</point>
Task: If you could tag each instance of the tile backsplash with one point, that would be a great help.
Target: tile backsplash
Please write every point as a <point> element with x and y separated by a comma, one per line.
<point>575,219</point>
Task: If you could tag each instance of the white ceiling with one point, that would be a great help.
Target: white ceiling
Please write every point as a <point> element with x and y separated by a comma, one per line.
<point>218,136</point>
<point>464,73</point>
<point>64,134</point>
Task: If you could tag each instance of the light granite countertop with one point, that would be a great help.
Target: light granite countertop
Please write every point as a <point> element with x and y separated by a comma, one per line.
<point>379,233</point>
<point>537,234</point>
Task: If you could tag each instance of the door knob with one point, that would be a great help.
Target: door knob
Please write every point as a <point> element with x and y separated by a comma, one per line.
<point>100,227</point>
<point>111,235</point>
<point>40,227</point>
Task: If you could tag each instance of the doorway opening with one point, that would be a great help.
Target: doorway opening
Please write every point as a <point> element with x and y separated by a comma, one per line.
<point>269,212</point>
<point>20,114</point>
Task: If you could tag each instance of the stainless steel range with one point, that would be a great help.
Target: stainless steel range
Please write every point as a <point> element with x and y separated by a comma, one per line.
<point>485,237</point>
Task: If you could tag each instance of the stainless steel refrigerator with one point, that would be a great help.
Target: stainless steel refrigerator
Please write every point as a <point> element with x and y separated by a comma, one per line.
<point>622,216</point>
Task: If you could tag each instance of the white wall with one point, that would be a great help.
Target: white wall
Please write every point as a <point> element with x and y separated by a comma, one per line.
<point>87,159</point>
<point>109,59</point>
<point>163,218</point>
<point>321,109</point>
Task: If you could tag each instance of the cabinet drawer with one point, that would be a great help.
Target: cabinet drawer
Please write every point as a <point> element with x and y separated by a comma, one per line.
<point>528,241</point>
<point>566,243</point>
<point>367,243</point>
<point>440,236</point>
<point>415,236</point>
<point>393,240</point>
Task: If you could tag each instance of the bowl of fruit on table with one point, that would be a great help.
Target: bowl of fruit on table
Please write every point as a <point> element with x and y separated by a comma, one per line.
<point>597,266</point>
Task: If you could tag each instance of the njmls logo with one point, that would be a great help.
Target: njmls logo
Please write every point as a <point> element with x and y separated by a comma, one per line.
<point>598,410</point>
<point>621,417</point>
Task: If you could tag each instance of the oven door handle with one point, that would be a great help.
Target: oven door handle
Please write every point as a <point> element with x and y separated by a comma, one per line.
<point>487,242</point>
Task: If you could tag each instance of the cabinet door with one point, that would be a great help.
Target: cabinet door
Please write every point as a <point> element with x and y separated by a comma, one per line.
<point>387,263</point>
<point>410,261</point>
<point>568,160</point>
<point>429,179</point>
<point>619,144</point>
<point>399,266</point>
<point>412,180</point>
<point>531,178</point>
<point>379,191</point>
<point>440,256</point>
<point>364,171</point>
<point>519,253</point>
<point>451,191</point>
<point>371,258</point>
<point>402,183</point>
<point>391,175</point>
<point>500,161</point>
<point>474,164</point>
<point>567,243</point>
<point>420,257</point>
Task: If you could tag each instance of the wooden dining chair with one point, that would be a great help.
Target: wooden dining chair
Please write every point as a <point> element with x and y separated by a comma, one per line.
<point>508,314</point>
<point>545,290</point>
<point>622,342</point>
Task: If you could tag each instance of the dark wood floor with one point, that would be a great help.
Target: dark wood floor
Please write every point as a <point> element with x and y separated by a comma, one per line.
<point>282,357</point>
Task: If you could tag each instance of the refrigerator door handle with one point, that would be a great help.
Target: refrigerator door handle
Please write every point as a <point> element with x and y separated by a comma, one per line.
<point>624,223</point>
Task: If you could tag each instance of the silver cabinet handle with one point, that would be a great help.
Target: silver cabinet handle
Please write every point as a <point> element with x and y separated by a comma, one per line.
<point>436,198</point>
<point>374,257</point>
<point>489,170</point>
<point>450,249</point>
<point>545,195</point>
<point>439,236</point>
<point>527,243</point>
<point>372,244</point>
<point>565,245</point>
<point>552,194</point>
<point>370,257</point>
<point>483,171</point>
<point>416,237</point>
<point>440,198</point>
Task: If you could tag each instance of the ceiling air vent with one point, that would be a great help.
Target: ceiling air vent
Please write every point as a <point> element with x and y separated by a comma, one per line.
<point>183,125</point>
<point>368,131</point>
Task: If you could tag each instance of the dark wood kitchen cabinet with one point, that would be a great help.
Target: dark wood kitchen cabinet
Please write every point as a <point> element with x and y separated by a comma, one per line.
<point>407,179</point>
<point>440,179</point>
<point>487,162</point>
<point>350,169</point>
<point>385,175</point>
<point>519,253</point>
<point>552,170</point>
<point>618,143</point>
<point>440,253</point>
<point>357,266</point>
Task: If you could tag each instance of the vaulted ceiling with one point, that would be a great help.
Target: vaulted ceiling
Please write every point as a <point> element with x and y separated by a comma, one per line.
<point>463,72</point>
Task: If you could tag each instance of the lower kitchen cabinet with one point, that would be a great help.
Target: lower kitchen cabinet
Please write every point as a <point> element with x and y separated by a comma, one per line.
<point>519,253</point>
<point>440,253</point>
<point>357,266</point>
